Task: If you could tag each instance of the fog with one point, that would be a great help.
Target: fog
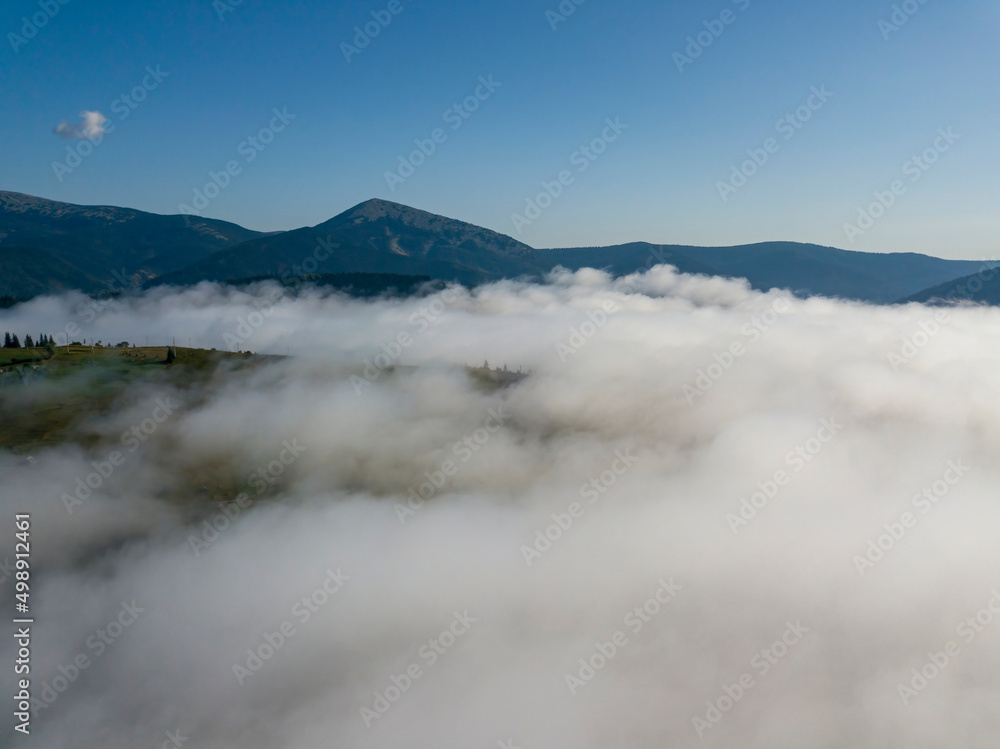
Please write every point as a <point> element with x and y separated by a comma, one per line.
<point>743,468</point>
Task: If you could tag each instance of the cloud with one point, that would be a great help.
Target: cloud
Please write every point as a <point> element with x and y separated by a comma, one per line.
<point>756,497</point>
<point>90,126</point>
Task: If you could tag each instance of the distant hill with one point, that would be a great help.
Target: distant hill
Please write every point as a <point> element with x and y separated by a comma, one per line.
<point>982,287</point>
<point>52,246</point>
<point>97,242</point>
<point>806,269</point>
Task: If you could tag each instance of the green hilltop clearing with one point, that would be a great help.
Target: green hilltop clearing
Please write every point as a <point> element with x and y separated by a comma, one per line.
<point>46,394</point>
<point>61,396</point>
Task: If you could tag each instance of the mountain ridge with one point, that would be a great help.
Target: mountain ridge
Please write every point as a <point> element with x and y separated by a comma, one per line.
<point>83,246</point>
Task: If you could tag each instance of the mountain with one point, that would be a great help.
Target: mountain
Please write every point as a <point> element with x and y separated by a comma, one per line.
<point>805,269</point>
<point>30,271</point>
<point>354,284</point>
<point>96,242</point>
<point>623,259</point>
<point>373,237</point>
<point>982,287</point>
<point>52,246</point>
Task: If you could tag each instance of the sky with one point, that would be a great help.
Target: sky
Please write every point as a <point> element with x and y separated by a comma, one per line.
<point>139,104</point>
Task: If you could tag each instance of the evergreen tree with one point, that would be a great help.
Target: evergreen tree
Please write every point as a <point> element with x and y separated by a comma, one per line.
<point>170,355</point>
<point>15,342</point>
<point>6,340</point>
<point>28,343</point>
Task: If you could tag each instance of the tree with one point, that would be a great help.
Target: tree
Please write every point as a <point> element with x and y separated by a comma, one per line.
<point>28,343</point>
<point>6,340</point>
<point>15,341</point>
<point>170,355</point>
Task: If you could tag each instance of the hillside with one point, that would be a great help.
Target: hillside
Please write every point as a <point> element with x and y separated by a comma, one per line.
<point>30,271</point>
<point>54,246</point>
<point>374,237</point>
<point>98,243</point>
<point>805,269</point>
<point>982,287</point>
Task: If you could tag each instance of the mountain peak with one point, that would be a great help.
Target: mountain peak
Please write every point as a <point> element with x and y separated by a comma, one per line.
<point>396,229</point>
<point>376,208</point>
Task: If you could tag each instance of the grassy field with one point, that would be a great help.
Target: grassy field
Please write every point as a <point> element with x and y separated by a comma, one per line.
<point>70,355</point>
<point>51,397</point>
<point>45,395</point>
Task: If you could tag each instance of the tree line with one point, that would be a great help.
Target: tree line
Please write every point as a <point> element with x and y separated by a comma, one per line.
<point>12,341</point>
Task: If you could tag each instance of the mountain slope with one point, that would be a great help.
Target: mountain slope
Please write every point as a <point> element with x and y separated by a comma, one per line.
<point>30,271</point>
<point>100,240</point>
<point>83,246</point>
<point>623,259</point>
<point>982,287</point>
<point>806,269</point>
<point>374,237</point>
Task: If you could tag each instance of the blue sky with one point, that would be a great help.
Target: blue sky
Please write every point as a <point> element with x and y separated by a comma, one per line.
<point>658,180</point>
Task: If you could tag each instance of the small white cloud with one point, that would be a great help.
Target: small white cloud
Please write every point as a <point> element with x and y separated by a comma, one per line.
<point>90,126</point>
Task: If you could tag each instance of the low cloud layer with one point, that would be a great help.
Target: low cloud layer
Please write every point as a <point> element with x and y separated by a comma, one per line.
<point>91,125</point>
<point>708,517</point>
